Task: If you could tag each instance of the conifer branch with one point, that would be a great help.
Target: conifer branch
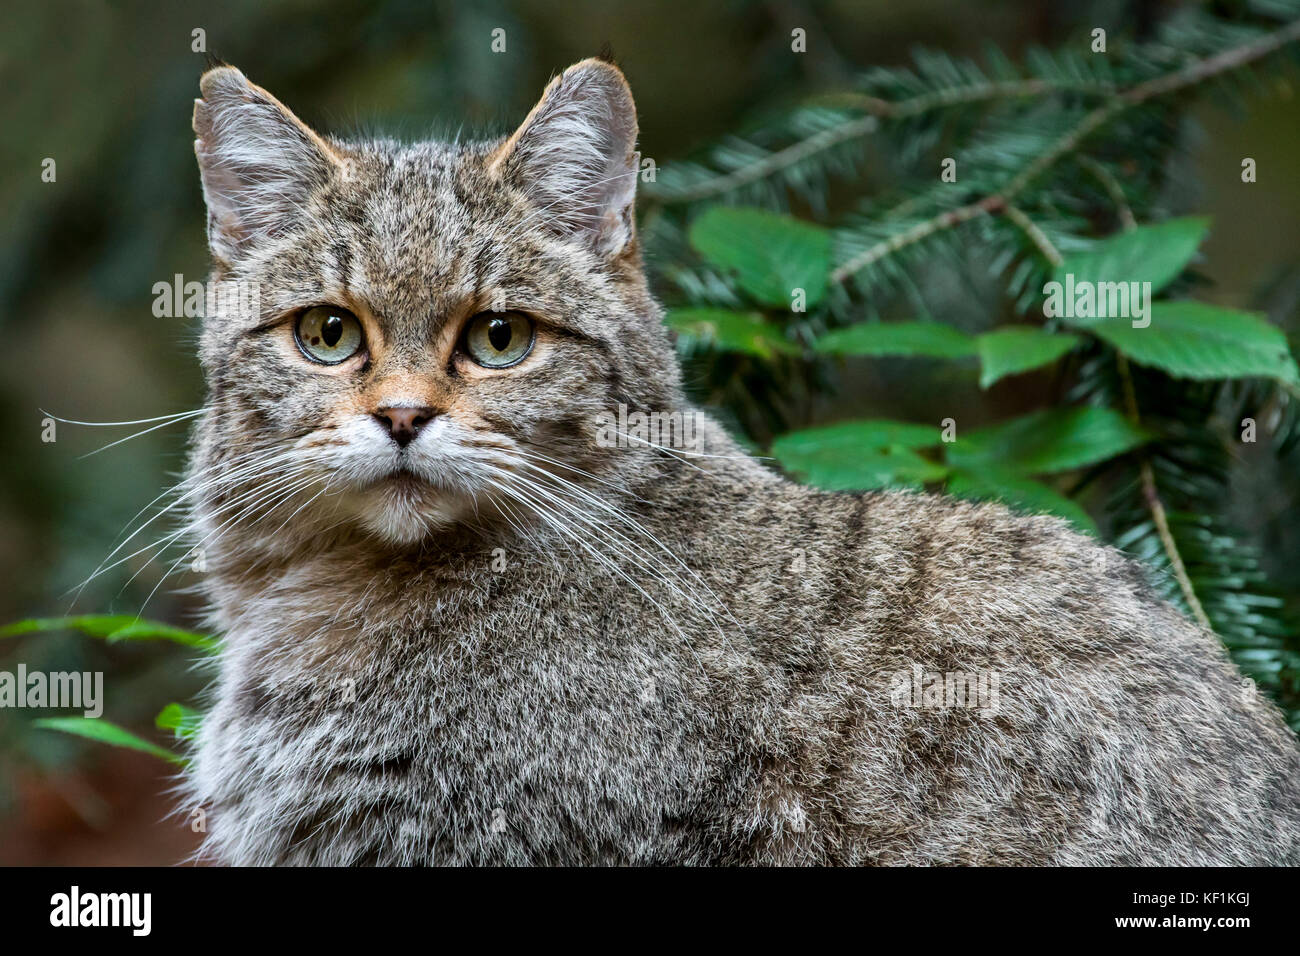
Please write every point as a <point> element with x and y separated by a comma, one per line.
<point>876,109</point>
<point>782,159</point>
<point>958,96</point>
<point>1178,80</point>
<point>922,230</point>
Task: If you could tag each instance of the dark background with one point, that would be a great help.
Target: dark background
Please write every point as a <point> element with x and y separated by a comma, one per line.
<point>106,90</point>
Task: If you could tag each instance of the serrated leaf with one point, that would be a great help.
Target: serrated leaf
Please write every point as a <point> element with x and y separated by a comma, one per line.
<point>1016,349</point>
<point>1155,254</point>
<point>746,332</point>
<point>1019,494</point>
<point>1046,441</point>
<point>181,720</point>
<point>1199,341</point>
<point>858,456</point>
<point>770,254</point>
<point>107,733</point>
<point>112,628</point>
<point>932,339</point>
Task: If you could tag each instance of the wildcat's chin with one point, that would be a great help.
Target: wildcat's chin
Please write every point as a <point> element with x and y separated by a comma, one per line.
<point>404,510</point>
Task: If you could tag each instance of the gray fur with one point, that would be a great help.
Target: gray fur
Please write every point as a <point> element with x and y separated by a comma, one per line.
<point>687,658</point>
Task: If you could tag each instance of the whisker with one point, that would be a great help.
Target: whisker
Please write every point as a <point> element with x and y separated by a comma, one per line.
<point>692,454</point>
<point>259,462</point>
<point>143,431</point>
<point>267,503</point>
<point>633,527</point>
<point>636,555</point>
<point>176,416</point>
<point>175,535</point>
<point>560,526</point>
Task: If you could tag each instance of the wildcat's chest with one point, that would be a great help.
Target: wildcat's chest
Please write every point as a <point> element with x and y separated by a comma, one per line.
<point>491,735</point>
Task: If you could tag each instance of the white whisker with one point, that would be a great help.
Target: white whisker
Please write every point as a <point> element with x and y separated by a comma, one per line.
<point>177,416</point>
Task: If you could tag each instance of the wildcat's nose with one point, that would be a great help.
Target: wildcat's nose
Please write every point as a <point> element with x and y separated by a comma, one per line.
<point>404,422</point>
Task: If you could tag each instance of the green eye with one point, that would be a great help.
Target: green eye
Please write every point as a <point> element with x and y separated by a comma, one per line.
<point>328,334</point>
<point>499,339</point>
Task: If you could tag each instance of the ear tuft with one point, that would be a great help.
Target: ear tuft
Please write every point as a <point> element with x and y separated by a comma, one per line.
<point>575,157</point>
<point>258,161</point>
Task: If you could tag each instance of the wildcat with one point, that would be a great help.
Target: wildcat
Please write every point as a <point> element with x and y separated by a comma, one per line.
<point>461,629</point>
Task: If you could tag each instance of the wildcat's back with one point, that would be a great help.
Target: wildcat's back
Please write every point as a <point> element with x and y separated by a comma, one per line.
<point>462,628</point>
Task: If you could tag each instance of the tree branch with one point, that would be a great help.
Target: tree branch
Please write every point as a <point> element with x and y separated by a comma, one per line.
<point>1190,75</point>
<point>777,161</point>
<point>876,110</point>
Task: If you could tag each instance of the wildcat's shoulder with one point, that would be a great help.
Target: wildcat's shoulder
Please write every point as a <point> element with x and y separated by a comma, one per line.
<point>939,574</point>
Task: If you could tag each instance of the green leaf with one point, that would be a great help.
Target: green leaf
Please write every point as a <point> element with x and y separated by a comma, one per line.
<point>932,339</point>
<point>858,456</point>
<point>107,733</point>
<point>112,628</point>
<point>1020,494</point>
<point>728,331</point>
<point>1155,254</point>
<point>891,468</point>
<point>854,436</point>
<point>1019,348</point>
<point>1195,340</point>
<point>1046,441</point>
<point>181,720</point>
<point>770,254</point>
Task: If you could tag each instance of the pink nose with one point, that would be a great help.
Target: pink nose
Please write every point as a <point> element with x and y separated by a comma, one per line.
<point>403,422</point>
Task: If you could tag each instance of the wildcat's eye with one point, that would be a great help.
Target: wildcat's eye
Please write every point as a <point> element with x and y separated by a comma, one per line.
<point>499,339</point>
<point>328,334</point>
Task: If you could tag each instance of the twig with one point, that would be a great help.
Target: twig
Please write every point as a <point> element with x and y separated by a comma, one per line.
<point>1036,235</point>
<point>1202,70</point>
<point>1113,189</point>
<point>945,220</point>
<point>1151,495</point>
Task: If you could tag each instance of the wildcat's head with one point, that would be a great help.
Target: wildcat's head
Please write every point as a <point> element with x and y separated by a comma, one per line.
<point>432,325</point>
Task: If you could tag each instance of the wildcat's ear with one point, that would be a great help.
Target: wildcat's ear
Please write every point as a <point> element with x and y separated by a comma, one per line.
<point>575,157</point>
<point>258,161</point>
